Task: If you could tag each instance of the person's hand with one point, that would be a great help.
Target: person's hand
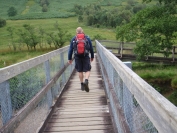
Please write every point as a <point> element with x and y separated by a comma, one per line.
<point>70,61</point>
<point>91,59</point>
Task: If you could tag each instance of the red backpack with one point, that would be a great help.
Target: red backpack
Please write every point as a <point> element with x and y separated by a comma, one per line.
<point>81,45</point>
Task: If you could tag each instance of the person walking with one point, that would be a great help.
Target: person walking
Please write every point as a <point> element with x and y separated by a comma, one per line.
<point>81,45</point>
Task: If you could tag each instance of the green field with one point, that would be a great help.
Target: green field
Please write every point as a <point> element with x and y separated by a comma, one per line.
<point>31,9</point>
<point>30,12</point>
<point>68,24</point>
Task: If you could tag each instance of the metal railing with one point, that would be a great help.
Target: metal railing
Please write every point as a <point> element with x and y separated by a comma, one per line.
<point>29,89</point>
<point>135,105</point>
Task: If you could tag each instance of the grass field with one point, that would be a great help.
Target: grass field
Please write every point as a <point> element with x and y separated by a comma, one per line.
<point>31,9</point>
<point>69,24</point>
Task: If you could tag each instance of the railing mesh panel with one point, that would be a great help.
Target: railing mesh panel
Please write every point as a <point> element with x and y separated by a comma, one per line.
<point>17,91</point>
<point>135,117</point>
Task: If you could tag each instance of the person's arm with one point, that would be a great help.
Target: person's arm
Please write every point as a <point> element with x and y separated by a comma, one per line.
<point>70,51</point>
<point>91,49</point>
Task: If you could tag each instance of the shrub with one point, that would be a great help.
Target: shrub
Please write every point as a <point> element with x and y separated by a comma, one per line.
<point>98,37</point>
<point>137,8</point>
<point>12,12</point>
<point>80,18</point>
<point>174,83</point>
<point>2,22</point>
<point>44,8</point>
<point>172,98</point>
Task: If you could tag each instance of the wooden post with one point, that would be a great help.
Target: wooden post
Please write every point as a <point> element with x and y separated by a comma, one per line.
<point>122,49</point>
<point>119,48</point>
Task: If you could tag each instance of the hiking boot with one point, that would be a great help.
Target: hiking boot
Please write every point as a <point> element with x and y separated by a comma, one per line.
<point>86,85</point>
<point>82,87</point>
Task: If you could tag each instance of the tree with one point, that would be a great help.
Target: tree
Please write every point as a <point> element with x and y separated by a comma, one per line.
<point>31,37</point>
<point>90,20</point>
<point>11,31</point>
<point>62,37</point>
<point>41,35</point>
<point>78,9</point>
<point>98,37</point>
<point>2,22</point>
<point>131,2</point>
<point>23,37</point>
<point>20,39</point>
<point>44,2</point>
<point>12,11</point>
<point>80,18</point>
<point>125,15</point>
<point>59,38</point>
<point>44,8</point>
<point>154,27</point>
<point>137,8</point>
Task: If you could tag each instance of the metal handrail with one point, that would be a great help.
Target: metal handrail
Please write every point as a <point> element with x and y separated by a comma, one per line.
<point>12,120</point>
<point>137,98</point>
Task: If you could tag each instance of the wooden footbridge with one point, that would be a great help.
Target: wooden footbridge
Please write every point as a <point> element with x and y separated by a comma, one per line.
<point>79,111</point>
<point>43,95</point>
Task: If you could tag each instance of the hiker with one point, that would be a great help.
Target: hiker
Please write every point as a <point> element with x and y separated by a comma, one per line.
<point>81,45</point>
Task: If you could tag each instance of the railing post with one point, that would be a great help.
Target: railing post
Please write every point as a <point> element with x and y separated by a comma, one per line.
<point>47,73</point>
<point>61,66</point>
<point>128,101</point>
<point>121,84</point>
<point>70,70</point>
<point>71,67</point>
<point>5,99</point>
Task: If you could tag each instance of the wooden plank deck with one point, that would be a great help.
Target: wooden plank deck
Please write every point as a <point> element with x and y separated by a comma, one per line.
<point>80,111</point>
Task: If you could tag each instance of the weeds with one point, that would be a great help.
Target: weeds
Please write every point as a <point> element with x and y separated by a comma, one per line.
<point>174,82</point>
<point>162,77</point>
<point>173,97</point>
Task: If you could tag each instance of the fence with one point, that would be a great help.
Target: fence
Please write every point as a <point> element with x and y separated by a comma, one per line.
<point>124,50</point>
<point>29,89</point>
<point>135,105</point>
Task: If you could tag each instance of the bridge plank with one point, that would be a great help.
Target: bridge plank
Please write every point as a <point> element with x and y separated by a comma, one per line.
<point>84,119</point>
<point>78,123</point>
<point>79,115</point>
<point>78,128</point>
<point>79,111</point>
<point>89,131</point>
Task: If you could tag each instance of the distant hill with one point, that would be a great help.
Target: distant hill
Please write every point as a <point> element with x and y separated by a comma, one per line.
<point>32,9</point>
